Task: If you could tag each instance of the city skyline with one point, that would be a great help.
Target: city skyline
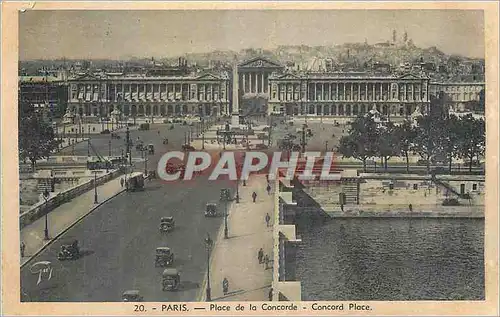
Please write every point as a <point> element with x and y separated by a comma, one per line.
<point>159,34</point>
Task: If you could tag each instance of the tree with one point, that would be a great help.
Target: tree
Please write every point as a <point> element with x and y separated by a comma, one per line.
<point>361,141</point>
<point>472,138</point>
<point>387,143</point>
<point>426,142</point>
<point>405,134</point>
<point>449,140</point>
<point>36,138</point>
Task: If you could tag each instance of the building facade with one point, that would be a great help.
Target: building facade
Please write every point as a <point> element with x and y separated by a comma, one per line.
<point>45,93</point>
<point>348,94</point>
<point>458,93</point>
<point>149,96</point>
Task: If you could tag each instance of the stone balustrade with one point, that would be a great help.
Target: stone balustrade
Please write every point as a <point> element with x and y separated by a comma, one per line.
<point>41,208</point>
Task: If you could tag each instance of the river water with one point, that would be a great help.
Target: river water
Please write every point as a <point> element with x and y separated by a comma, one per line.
<point>392,259</point>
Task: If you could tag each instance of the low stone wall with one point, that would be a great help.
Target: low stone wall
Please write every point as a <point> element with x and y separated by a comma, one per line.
<point>40,209</point>
<point>285,287</point>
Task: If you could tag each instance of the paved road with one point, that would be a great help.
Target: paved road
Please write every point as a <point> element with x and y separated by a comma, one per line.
<point>100,142</point>
<point>119,241</point>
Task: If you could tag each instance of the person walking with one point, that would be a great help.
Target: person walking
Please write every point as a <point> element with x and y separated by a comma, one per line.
<point>121,182</point>
<point>270,294</point>
<point>260,255</point>
<point>266,261</point>
<point>225,286</point>
<point>268,188</point>
<point>268,218</point>
<point>23,247</point>
<point>254,196</point>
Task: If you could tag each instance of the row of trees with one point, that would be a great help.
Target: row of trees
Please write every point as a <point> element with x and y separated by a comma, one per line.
<point>433,138</point>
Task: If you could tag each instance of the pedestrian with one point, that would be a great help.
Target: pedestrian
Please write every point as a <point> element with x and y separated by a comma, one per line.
<point>267,178</point>
<point>121,182</point>
<point>254,196</point>
<point>268,218</point>
<point>225,286</point>
<point>266,261</point>
<point>260,255</point>
<point>271,294</point>
<point>268,188</point>
<point>23,247</point>
<point>410,206</point>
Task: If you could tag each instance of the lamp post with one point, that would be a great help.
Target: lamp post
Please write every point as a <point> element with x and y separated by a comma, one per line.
<point>208,244</point>
<point>224,197</point>
<point>145,162</point>
<point>226,234</point>
<point>237,191</point>
<point>95,188</point>
<point>46,231</point>
<point>202,134</point>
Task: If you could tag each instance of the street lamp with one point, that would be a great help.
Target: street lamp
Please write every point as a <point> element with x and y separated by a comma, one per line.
<point>237,191</point>
<point>145,162</point>
<point>225,198</point>
<point>46,231</point>
<point>208,244</point>
<point>95,188</point>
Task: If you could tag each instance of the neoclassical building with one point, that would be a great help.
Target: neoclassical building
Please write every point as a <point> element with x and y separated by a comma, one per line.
<point>148,96</point>
<point>328,93</point>
<point>347,94</point>
<point>458,93</point>
<point>263,87</point>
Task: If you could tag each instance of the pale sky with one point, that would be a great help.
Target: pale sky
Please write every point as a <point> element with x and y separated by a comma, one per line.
<point>122,34</point>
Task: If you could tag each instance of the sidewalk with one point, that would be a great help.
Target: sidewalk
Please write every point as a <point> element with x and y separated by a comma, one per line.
<point>236,258</point>
<point>64,216</point>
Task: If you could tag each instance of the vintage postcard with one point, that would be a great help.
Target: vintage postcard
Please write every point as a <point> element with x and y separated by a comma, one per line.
<point>260,158</point>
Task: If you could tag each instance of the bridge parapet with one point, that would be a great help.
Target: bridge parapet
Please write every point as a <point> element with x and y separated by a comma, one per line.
<point>285,240</point>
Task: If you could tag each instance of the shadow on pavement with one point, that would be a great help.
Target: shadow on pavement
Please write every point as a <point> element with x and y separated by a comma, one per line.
<point>240,291</point>
<point>242,235</point>
<point>85,253</point>
<point>188,285</point>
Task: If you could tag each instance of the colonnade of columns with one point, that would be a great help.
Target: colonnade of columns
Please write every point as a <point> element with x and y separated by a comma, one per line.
<point>148,91</point>
<point>349,109</point>
<point>254,82</point>
<point>141,110</point>
<point>350,91</point>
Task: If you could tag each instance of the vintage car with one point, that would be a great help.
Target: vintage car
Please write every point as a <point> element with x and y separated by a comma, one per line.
<point>69,251</point>
<point>164,257</point>
<point>171,280</point>
<point>167,224</point>
<point>132,296</point>
<point>211,210</point>
<point>151,149</point>
<point>139,146</point>
<point>115,136</point>
<point>135,181</point>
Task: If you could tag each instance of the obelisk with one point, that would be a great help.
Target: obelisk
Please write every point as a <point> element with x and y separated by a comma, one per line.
<point>235,115</point>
